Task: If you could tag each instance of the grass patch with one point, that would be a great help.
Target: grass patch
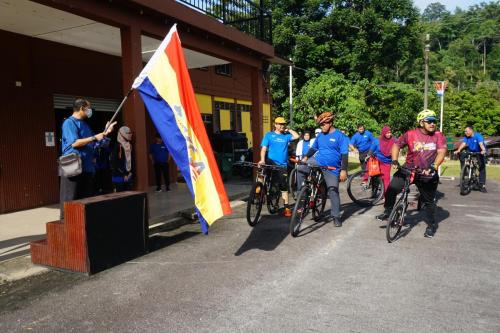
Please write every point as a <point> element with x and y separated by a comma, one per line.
<point>452,169</point>
<point>449,169</point>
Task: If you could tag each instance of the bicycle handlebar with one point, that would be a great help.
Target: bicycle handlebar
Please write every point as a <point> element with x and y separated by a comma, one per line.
<point>318,166</point>
<point>263,166</point>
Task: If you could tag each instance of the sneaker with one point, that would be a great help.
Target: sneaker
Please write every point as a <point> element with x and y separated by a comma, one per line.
<point>158,190</point>
<point>337,222</point>
<point>429,232</point>
<point>168,189</point>
<point>483,189</point>
<point>382,217</point>
<point>287,212</point>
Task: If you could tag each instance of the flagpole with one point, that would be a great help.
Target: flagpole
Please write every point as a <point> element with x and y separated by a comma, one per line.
<point>118,109</point>
<point>441,117</point>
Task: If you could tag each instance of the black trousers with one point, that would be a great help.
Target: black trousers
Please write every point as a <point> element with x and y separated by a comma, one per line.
<point>102,181</point>
<point>74,188</point>
<point>427,188</point>
<point>161,169</point>
<point>482,166</point>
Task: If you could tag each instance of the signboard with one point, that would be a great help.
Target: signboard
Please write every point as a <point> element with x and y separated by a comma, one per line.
<point>49,139</point>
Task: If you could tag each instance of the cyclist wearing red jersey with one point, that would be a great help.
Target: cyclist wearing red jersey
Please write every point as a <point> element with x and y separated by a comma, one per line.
<point>426,151</point>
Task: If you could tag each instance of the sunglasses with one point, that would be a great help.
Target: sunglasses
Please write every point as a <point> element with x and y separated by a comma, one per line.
<point>282,124</point>
<point>430,121</point>
<point>323,124</point>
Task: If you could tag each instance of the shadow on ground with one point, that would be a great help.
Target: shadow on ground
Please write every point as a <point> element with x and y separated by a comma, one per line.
<point>17,243</point>
<point>267,234</point>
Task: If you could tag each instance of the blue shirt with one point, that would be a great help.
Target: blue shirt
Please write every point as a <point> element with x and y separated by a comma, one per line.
<point>362,142</point>
<point>330,147</point>
<point>473,142</point>
<point>72,130</point>
<point>277,146</point>
<point>159,152</point>
<point>375,148</point>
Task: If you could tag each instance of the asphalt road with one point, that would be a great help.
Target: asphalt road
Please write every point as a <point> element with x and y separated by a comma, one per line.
<point>240,279</point>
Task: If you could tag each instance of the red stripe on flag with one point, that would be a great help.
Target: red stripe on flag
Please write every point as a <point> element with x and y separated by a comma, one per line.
<point>176,58</point>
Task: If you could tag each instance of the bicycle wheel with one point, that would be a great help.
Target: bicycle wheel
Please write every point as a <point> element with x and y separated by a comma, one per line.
<point>465,181</point>
<point>254,204</point>
<point>292,183</point>
<point>300,210</point>
<point>273,198</point>
<point>365,193</point>
<point>319,202</point>
<point>395,221</point>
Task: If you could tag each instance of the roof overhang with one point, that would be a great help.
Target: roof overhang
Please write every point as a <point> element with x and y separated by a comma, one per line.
<point>40,21</point>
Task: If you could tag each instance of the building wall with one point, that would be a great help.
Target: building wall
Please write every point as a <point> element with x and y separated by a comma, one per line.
<point>39,68</point>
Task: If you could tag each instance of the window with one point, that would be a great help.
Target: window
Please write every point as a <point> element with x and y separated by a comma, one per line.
<point>226,69</point>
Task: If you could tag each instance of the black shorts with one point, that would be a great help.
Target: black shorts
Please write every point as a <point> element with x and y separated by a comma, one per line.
<point>280,176</point>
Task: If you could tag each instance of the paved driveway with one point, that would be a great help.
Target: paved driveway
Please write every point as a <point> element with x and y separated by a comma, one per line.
<point>240,279</point>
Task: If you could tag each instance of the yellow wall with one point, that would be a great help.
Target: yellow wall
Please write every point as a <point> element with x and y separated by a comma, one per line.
<point>247,127</point>
<point>204,103</point>
<point>225,120</point>
<point>266,121</point>
<point>223,99</point>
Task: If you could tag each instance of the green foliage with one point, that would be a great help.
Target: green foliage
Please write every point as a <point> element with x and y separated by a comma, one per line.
<point>363,59</point>
<point>332,92</point>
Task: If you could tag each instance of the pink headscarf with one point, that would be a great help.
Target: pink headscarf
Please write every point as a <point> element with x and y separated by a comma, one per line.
<point>386,144</point>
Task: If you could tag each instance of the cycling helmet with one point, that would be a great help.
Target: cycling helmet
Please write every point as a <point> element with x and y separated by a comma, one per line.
<point>325,117</point>
<point>426,115</point>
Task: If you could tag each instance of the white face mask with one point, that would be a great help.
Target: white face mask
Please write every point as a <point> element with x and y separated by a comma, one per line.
<point>88,112</point>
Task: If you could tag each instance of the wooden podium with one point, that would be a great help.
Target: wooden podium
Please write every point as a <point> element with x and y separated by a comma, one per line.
<point>97,233</point>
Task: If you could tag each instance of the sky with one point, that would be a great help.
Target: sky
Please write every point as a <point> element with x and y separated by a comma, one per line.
<point>450,4</point>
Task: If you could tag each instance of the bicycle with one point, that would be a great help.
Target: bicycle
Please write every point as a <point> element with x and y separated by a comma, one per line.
<point>396,219</point>
<point>264,189</point>
<point>312,197</point>
<point>469,175</point>
<point>365,192</point>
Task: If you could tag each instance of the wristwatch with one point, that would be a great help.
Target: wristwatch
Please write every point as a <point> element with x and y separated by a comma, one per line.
<point>94,138</point>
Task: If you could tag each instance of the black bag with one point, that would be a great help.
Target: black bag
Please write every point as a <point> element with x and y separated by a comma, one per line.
<point>70,165</point>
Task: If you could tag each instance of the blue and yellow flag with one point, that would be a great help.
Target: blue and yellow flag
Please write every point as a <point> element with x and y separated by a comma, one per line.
<point>167,92</point>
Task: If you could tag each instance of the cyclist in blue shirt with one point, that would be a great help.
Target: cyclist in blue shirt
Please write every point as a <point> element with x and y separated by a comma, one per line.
<point>275,145</point>
<point>362,141</point>
<point>474,142</point>
<point>331,148</point>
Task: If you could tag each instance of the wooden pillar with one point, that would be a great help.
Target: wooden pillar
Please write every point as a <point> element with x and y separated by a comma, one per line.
<point>257,114</point>
<point>134,113</point>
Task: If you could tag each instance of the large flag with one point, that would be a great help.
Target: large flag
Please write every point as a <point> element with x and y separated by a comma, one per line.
<point>167,92</point>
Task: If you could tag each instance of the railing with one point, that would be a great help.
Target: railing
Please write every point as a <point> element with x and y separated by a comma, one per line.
<point>245,15</point>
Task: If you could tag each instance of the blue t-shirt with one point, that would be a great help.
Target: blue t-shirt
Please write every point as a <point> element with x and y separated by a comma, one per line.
<point>159,152</point>
<point>277,146</point>
<point>473,142</point>
<point>362,142</point>
<point>375,148</point>
<point>330,147</point>
<point>72,130</point>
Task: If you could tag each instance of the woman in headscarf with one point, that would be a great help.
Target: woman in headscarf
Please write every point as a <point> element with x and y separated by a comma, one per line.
<point>121,160</point>
<point>381,149</point>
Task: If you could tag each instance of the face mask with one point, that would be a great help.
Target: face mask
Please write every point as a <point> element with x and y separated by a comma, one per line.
<point>88,112</point>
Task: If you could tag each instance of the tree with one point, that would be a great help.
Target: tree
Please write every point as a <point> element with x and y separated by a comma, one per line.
<point>330,91</point>
<point>435,12</point>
